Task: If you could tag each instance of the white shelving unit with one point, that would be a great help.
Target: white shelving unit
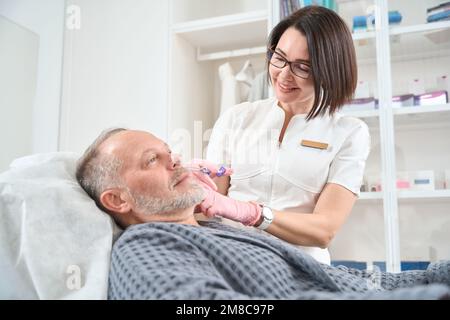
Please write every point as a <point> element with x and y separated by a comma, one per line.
<point>203,35</point>
<point>416,222</point>
<point>434,110</point>
<point>218,34</point>
<point>391,225</point>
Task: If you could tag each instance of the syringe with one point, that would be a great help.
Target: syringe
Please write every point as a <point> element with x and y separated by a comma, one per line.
<point>222,170</point>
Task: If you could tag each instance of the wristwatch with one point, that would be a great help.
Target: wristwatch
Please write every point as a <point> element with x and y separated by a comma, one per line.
<point>267,218</point>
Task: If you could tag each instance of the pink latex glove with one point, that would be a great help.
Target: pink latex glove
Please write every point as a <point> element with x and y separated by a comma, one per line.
<point>216,204</point>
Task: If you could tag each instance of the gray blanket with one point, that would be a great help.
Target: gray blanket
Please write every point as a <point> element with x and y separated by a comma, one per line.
<point>215,261</point>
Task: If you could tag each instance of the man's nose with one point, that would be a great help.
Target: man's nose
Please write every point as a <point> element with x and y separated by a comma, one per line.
<point>175,160</point>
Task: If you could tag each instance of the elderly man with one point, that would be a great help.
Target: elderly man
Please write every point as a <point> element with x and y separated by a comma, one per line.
<point>164,253</point>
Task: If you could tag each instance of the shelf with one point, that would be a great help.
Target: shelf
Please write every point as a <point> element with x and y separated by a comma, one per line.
<point>363,35</point>
<point>408,115</point>
<point>370,196</point>
<point>230,54</point>
<point>420,42</point>
<point>423,195</point>
<point>425,41</point>
<point>190,10</point>
<point>423,117</point>
<point>409,194</point>
<point>225,33</point>
<point>217,37</point>
<point>416,53</point>
<point>420,28</point>
<point>422,109</point>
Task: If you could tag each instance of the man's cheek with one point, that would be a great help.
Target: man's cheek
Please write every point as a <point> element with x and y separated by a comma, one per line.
<point>148,187</point>
<point>155,190</point>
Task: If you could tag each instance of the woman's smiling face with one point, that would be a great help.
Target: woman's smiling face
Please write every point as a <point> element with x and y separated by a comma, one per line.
<point>289,88</point>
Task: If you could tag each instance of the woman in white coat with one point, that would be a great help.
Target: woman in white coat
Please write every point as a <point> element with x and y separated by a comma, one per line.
<point>298,164</point>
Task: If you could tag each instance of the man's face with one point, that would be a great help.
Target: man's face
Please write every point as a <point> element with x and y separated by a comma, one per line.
<point>154,178</point>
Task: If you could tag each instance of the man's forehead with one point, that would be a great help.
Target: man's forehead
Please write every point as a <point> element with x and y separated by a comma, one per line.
<point>131,140</point>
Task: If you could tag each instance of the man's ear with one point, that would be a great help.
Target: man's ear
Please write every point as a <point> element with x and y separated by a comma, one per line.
<point>115,200</point>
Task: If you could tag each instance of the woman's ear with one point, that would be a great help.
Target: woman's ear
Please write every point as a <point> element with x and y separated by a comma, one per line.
<point>116,201</point>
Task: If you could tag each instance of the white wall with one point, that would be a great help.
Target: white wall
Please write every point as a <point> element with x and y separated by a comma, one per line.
<point>18,64</point>
<point>46,19</point>
<point>115,70</point>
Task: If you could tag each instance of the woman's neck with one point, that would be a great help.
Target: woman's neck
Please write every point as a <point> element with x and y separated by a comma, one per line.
<point>299,107</point>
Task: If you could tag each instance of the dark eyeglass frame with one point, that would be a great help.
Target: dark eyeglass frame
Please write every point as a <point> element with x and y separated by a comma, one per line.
<point>272,52</point>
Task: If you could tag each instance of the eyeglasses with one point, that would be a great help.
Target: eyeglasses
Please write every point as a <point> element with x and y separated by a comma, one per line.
<point>299,69</point>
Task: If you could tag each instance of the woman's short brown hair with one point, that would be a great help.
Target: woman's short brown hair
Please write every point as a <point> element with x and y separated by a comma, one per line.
<point>331,53</point>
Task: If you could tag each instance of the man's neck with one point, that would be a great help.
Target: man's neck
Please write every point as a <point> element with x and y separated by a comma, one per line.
<point>189,220</point>
<point>184,216</point>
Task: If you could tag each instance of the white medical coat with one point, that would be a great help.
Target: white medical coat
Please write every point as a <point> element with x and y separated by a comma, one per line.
<point>288,176</point>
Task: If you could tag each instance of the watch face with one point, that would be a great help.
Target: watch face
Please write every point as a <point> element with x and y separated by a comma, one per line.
<point>268,214</point>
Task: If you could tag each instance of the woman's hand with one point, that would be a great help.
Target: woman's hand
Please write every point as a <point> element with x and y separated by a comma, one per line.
<point>216,204</point>
<point>204,171</point>
<point>209,168</point>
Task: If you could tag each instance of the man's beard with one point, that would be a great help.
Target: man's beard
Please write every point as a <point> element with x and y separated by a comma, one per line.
<point>149,205</point>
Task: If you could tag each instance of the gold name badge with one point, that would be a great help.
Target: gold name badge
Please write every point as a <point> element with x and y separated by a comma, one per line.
<point>314,144</point>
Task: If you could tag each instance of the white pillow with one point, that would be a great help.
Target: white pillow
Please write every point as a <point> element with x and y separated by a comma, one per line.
<point>54,241</point>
